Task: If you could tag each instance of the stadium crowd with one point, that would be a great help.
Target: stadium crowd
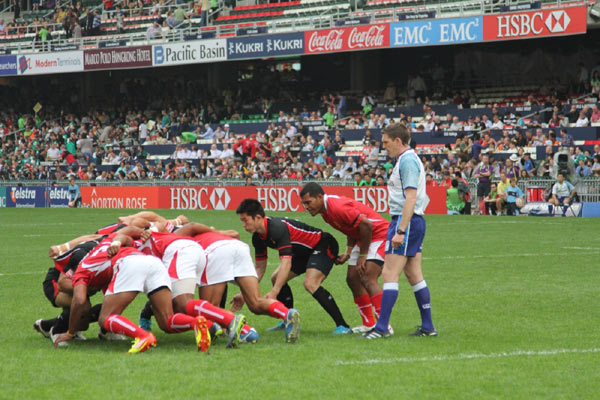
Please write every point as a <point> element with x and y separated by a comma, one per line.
<point>73,20</point>
<point>83,146</point>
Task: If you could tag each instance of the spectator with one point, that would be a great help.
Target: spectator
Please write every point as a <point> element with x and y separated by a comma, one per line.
<point>74,194</point>
<point>563,193</point>
<point>582,121</point>
<point>491,200</point>
<point>454,202</point>
<point>583,170</point>
<point>512,193</point>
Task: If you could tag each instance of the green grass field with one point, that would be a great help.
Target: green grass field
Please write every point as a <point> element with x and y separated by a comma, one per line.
<point>515,301</point>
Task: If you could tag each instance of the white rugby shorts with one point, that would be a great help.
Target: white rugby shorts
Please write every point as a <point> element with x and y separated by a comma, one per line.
<point>138,273</point>
<point>227,260</point>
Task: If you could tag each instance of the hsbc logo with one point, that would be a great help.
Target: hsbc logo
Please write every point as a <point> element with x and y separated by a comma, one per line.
<point>219,199</point>
<point>557,21</point>
<point>541,23</point>
<point>199,199</point>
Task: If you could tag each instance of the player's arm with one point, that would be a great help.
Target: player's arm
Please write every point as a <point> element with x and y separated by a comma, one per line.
<point>365,230</point>
<point>283,271</point>
<point>573,192</point>
<point>65,284</point>
<point>196,228</point>
<point>261,268</point>
<point>119,241</point>
<point>62,248</point>
<point>281,235</point>
<point>342,258</point>
<point>80,305</point>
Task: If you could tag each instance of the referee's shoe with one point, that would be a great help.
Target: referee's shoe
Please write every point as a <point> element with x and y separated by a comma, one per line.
<point>424,332</point>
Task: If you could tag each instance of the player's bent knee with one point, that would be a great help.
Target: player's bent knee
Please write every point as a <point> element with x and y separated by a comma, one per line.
<point>311,286</point>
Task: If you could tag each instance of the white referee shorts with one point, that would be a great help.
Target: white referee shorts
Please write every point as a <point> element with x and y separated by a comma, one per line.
<point>138,273</point>
<point>376,252</point>
<point>184,260</point>
<point>227,260</point>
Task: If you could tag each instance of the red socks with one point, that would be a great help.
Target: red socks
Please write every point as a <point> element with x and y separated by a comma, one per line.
<point>365,309</point>
<point>376,301</point>
<point>121,325</point>
<point>180,323</point>
<point>278,310</point>
<point>203,308</point>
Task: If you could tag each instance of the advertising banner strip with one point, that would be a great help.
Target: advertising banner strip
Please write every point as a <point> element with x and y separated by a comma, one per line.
<point>190,52</point>
<point>50,63</point>
<point>2,197</point>
<point>25,196</point>
<point>534,24</point>
<point>8,65</point>
<point>115,58</point>
<point>284,44</point>
<point>360,37</point>
<point>436,32</point>
<point>273,198</point>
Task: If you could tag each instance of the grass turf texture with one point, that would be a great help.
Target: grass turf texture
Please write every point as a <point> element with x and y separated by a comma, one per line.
<point>501,287</point>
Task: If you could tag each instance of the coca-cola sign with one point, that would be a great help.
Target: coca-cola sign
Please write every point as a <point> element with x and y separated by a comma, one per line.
<point>347,38</point>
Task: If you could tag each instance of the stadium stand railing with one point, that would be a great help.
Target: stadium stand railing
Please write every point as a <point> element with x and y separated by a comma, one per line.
<point>275,17</point>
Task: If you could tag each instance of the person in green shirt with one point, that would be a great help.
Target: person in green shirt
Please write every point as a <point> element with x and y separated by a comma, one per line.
<point>166,120</point>
<point>358,180</point>
<point>179,15</point>
<point>329,118</point>
<point>43,33</point>
<point>490,199</point>
<point>387,167</point>
<point>367,110</point>
<point>21,123</point>
<point>454,202</point>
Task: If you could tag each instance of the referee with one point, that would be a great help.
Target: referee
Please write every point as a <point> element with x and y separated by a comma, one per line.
<point>404,243</point>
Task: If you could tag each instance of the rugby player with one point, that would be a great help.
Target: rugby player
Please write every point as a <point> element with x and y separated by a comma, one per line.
<point>122,272</point>
<point>302,249</point>
<point>228,259</point>
<point>407,201</point>
<point>365,230</point>
<point>185,261</point>
<point>58,289</point>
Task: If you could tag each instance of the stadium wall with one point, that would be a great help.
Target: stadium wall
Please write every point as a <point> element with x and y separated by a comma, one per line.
<point>273,198</point>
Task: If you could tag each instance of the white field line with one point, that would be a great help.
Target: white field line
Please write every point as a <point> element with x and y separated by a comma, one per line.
<point>23,273</point>
<point>591,250</point>
<point>472,356</point>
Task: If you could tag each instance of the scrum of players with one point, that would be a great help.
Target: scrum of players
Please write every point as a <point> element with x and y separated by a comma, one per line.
<point>169,259</point>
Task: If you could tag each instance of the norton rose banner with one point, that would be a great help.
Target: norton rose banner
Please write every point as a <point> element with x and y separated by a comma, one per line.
<point>273,198</point>
<point>347,38</point>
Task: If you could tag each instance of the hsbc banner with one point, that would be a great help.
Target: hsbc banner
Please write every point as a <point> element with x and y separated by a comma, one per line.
<point>273,198</point>
<point>532,24</point>
<point>265,46</point>
<point>50,63</point>
<point>58,196</point>
<point>361,37</point>
<point>25,196</point>
<point>436,32</point>
<point>129,57</point>
<point>192,52</point>
<point>282,198</point>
